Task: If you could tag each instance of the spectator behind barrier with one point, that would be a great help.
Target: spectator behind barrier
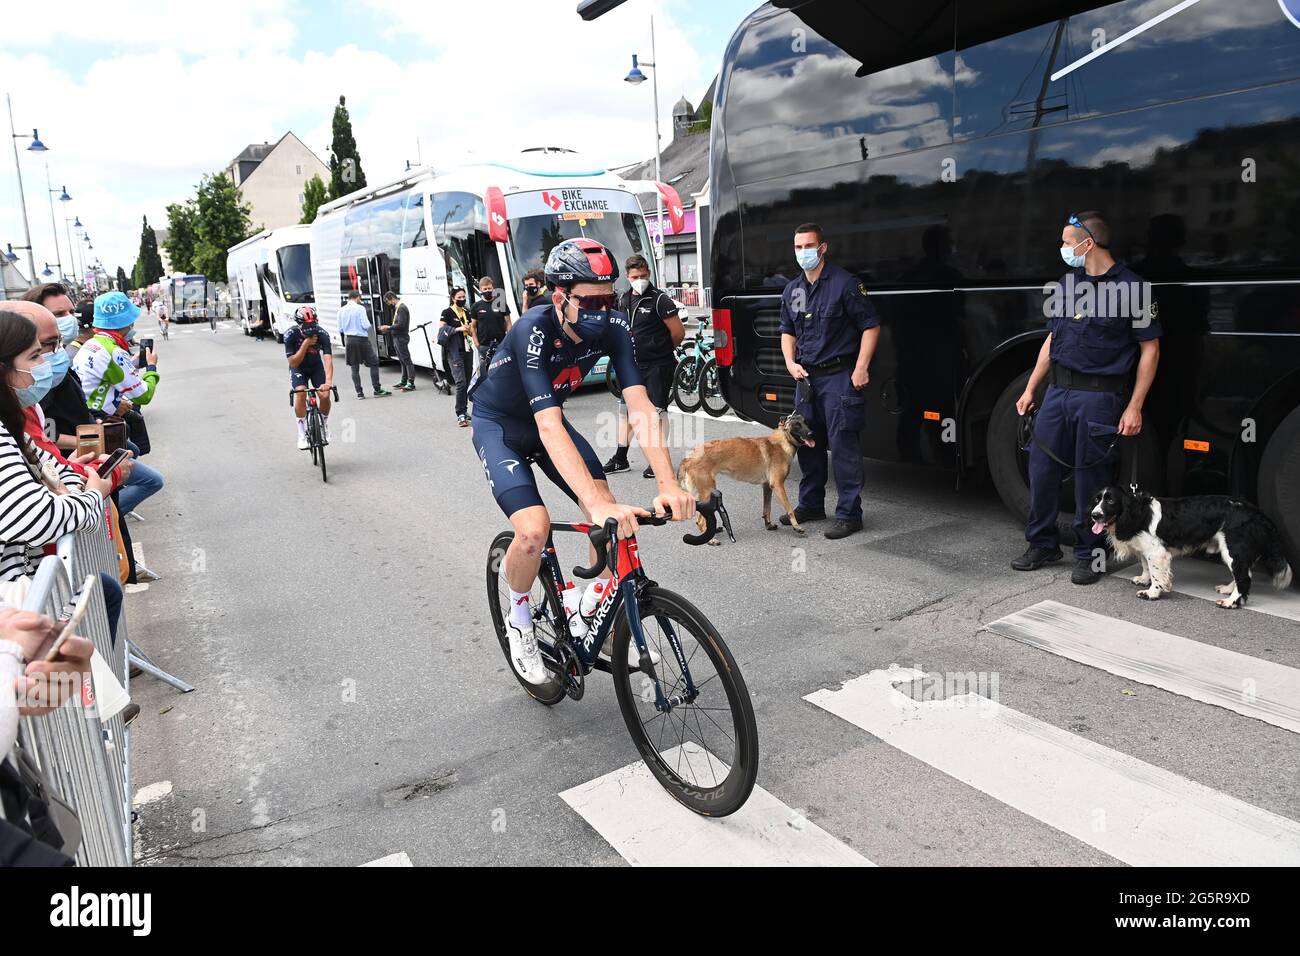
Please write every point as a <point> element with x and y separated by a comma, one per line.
<point>41,498</point>
<point>65,402</point>
<point>104,364</point>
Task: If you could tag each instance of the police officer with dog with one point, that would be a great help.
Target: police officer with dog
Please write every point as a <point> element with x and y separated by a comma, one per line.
<point>829,330</point>
<point>1100,324</point>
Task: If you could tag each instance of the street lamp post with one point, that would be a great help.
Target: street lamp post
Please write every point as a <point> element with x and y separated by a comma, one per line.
<point>636,77</point>
<point>54,228</point>
<point>38,147</point>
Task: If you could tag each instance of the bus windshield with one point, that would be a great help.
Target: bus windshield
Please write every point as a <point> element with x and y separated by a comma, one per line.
<point>533,237</point>
<point>295,272</point>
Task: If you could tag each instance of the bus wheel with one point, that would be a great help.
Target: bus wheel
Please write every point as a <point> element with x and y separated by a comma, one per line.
<point>1008,465</point>
<point>1279,484</point>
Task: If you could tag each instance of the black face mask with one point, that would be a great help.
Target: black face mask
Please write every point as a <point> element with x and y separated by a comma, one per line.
<point>460,303</point>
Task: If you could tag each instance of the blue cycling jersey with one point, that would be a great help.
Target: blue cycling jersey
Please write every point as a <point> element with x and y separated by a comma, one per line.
<point>538,366</point>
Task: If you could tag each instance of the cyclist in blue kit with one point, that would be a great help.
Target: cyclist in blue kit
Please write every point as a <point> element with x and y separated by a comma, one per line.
<point>518,420</point>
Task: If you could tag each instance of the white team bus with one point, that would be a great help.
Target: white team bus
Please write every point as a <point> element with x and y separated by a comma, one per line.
<point>270,277</point>
<point>434,230</point>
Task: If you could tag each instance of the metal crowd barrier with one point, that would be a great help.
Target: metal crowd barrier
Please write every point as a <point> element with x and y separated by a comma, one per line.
<point>88,761</point>
<point>85,760</point>
<point>91,552</point>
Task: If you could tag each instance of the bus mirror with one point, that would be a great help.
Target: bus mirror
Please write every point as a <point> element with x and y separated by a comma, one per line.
<point>498,225</point>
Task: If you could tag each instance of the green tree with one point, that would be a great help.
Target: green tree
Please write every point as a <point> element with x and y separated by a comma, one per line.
<point>123,283</point>
<point>703,120</point>
<point>182,234</point>
<point>222,222</point>
<point>149,265</point>
<point>346,174</point>
<point>314,195</point>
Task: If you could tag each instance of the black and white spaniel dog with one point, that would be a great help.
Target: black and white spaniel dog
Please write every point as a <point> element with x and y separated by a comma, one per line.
<point>1157,530</point>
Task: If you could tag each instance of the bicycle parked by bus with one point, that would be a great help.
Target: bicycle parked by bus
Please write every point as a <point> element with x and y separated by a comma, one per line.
<point>696,382</point>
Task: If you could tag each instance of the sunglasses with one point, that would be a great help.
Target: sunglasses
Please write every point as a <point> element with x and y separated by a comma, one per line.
<point>1076,221</point>
<point>598,303</point>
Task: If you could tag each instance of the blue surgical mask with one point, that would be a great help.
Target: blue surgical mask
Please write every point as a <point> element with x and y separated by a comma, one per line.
<point>1072,260</point>
<point>42,380</point>
<point>59,360</point>
<point>68,328</point>
<point>807,259</point>
<point>130,336</point>
<point>590,324</point>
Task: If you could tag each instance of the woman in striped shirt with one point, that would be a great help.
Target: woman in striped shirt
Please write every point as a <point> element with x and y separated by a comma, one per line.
<point>40,499</point>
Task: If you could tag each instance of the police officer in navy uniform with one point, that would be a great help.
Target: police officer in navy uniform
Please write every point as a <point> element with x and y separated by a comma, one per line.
<point>1100,323</point>
<point>829,330</point>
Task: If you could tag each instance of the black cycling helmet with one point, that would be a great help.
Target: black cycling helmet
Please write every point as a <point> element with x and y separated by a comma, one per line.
<point>579,260</point>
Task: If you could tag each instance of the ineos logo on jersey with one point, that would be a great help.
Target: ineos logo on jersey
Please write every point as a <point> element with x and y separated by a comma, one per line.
<point>510,465</point>
<point>536,338</point>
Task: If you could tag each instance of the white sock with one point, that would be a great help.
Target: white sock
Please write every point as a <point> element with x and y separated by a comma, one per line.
<point>302,426</point>
<point>520,613</point>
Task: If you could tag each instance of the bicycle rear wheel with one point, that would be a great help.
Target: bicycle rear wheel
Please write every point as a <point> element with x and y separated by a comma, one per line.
<point>711,390</point>
<point>546,607</point>
<point>687,386</point>
<point>704,753</point>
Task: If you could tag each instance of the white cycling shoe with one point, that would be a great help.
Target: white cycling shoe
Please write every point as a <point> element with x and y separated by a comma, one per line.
<point>303,444</point>
<point>524,654</point>
<point>633,655</point>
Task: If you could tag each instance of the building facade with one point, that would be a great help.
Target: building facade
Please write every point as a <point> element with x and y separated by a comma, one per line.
<point>271,179</point>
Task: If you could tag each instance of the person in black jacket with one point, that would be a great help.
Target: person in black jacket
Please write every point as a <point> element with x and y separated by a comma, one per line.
<point>656,331</point>
<point>456,351</point>
<point>401,333</point>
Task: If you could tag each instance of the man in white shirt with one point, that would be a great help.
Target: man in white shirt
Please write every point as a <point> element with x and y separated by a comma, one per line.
<point>354,327</point>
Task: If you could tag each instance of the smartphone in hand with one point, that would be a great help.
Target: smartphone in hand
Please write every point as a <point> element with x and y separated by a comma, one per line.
<point>105,468</point>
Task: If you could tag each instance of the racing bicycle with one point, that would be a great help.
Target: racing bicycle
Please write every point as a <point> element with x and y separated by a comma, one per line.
<point>316,428</point>
<point>687,708</point>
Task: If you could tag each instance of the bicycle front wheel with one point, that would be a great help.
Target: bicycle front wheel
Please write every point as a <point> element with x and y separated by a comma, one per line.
<point>711,390</point>
<point>546,609</point>
<point>705,752</point>
<point>319,441</point>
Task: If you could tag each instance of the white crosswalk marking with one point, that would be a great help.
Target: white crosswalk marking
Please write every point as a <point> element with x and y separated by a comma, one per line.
<point>393,859</point>
<point>1255,688</point>
<point>1132,810</point>
<point>633,812</point>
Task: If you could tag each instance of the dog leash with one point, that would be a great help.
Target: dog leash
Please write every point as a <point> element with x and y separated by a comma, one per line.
<point>1026,435</point>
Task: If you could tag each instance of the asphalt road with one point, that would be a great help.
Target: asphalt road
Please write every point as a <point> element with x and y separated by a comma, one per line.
<point>352,702</point>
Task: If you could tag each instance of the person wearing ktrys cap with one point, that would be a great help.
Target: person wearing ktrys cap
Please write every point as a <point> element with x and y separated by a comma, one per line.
<point>109,377</point>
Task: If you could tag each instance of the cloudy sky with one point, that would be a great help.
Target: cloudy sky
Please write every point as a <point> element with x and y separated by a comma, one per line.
<point>136,100</point>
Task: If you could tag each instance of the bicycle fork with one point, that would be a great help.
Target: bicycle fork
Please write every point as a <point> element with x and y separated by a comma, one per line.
<point>663,703</point>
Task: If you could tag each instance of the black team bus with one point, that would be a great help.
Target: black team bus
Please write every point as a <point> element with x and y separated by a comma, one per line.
<point>943,145</point>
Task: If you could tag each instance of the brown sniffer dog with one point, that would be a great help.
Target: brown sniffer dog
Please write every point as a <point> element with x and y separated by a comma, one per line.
<point>760,461</point>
